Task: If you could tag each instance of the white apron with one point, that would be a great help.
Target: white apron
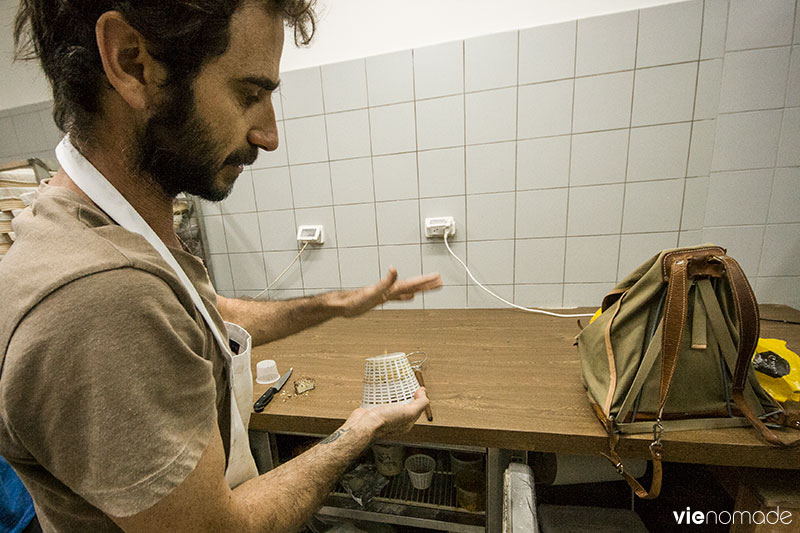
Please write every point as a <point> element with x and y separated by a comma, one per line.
<point>241,465</point>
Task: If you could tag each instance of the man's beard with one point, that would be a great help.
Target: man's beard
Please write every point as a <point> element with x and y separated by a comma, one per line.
<point>177,150</point>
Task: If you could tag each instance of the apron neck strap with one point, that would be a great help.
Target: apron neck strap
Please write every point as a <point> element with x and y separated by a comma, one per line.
<point>110,200</point>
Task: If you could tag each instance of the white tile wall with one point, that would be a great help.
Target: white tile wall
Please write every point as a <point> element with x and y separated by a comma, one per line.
<point>440,122</point>
<point>439,70</point>
<point>757,24</point>
<point>595,210</point>
<point>355,225</point>
<point>669,34</point>
<point>344,86</point>
<point>275,263</point>
<point>709,79</point>
<point>490,216</point>
<point>603,102</point>
<point>542,213</point>
<point>392,129</point>
<point>441,172</point>
<point>653,206</point>
<point>543,163</point>
<point>359,266</point>
<point>607,43</point>
<point>491,116</point>
<point>599,157</point>
<point>789,148</point>
<point>754,79</point>
<point>540,260</point>
<point>715,22</point>
<point>311,185</point>
<point>301,93</point>
<point>395,176</point>
<point>547,53</point>
<point>351,180</point>
<point>793,92</point>
<point>492,262</point>
<point>635,249</point>
<point>545,109</point>
<point>390,78</point>
<point>278,230</point>
<point>658,152</point>
<point>348,134</point>
<point>738,198</point>
<point>747,140</point>
<point>490,167</point>
<point>567,153</point>
<point>306,141</point>
<point>784,206</point>
<point>490,62</point>
<point>664,94</point>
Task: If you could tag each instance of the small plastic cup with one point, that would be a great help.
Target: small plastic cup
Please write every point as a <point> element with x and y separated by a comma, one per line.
<point>420,470</point>
<point>267,372</point>
<point>388,458</point>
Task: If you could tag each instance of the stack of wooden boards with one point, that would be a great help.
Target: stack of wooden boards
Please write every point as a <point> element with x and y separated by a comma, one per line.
<point>18,183</point>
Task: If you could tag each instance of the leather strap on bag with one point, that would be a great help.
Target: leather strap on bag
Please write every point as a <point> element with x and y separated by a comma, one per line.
<point>656,453</point>
<point>675,310</point>
<point>748,325</point>
<point>633,483</point>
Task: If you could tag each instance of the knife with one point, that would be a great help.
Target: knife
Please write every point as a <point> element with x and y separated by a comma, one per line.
<point>267,396</point>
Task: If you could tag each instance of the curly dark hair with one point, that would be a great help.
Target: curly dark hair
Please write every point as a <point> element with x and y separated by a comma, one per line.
<point>182,34</point>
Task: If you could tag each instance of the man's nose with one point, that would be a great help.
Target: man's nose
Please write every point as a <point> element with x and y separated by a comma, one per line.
<point>264,131</point>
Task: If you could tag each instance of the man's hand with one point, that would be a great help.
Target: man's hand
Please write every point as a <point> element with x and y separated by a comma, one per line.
<point>390,420</point>
<point>358,301</point>
<point>268,321</point>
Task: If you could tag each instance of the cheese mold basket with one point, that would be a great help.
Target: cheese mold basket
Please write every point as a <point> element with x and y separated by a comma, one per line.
<point>388,379</point>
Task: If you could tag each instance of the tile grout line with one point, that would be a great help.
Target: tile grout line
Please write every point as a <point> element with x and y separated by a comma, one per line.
<point>372,180</point>
<point>416,168</point>
<point>691,127</point>
<point>516,177</point>
<point>778,150</point>
<point>569,171</point>
<point>464,156</point>
<point>330,177</point>
<point>628,153</point>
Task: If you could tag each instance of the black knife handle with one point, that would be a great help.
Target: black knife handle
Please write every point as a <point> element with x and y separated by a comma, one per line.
<point>262,402</point>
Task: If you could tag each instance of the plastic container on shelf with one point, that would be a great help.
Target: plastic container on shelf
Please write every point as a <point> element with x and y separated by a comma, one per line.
<point>420,469</point>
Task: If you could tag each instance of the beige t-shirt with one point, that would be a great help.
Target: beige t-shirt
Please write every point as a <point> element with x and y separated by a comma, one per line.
<point>111,383</point>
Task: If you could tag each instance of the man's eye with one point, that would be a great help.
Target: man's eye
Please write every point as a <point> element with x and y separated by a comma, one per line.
<point>250,99</point>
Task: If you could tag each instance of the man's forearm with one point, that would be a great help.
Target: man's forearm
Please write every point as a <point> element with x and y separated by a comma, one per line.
<point>296,489</point>
<point>268,321</point>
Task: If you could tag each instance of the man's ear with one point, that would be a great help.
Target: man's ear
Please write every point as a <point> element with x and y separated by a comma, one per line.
<point>130,69</point>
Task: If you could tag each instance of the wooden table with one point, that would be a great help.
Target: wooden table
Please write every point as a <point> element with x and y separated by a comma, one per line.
<point>501,379</point>
<point>496,378</point>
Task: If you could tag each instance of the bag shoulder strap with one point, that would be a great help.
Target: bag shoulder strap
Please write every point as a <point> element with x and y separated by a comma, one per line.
<point>748,325</point>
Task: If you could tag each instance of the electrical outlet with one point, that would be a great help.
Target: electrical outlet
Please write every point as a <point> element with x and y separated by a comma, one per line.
<point>313,234</point>
<point>436,226</point>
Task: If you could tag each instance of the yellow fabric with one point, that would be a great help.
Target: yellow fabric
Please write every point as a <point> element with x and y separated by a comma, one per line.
<point>785,388</point>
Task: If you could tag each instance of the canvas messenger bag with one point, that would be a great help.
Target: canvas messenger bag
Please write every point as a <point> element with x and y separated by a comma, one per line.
<point>672,350</point>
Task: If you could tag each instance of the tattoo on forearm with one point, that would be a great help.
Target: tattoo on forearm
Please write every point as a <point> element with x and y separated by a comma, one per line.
<point>333,436</point>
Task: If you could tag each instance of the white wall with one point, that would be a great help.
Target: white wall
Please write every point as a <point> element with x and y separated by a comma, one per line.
<point>351,29</point>
<point>23,82</point>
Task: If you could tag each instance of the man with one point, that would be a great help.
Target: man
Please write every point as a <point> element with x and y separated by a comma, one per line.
<point>114,397</point>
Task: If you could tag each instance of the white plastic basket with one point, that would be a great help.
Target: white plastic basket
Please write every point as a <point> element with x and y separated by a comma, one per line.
<point>388,379</point>
<point>420,470</point>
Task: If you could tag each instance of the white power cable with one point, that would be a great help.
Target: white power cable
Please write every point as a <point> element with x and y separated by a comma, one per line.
<point>285,270</point>
<point>479,284</point>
